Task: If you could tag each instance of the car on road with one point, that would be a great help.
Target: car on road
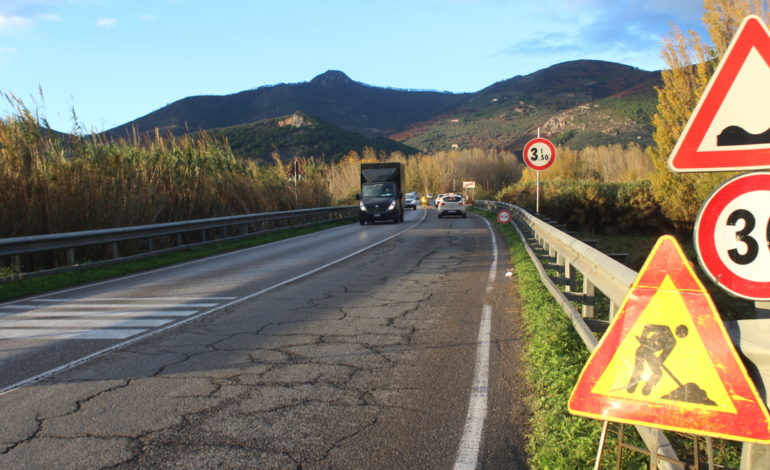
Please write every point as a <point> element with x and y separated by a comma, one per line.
<point>452,204</point>
<point>410,202</point>
<point>438,199</point>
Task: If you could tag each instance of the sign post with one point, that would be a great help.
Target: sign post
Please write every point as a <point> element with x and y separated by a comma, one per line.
<point>539,154</point>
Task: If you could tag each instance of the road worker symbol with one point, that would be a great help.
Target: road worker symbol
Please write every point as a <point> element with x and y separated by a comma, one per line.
<point>655,345</point>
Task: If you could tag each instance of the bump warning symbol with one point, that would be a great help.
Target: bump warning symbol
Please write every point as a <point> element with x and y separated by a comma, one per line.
<point>666,361</point>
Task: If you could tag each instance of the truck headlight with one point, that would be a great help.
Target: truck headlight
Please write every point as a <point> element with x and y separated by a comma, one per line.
<point>362,206</point>
<point>392,205</point>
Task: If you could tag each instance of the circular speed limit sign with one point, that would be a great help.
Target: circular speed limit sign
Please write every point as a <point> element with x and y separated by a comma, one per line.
<point>732,236</point>
<point>539,153</point>
<point>504,216</point>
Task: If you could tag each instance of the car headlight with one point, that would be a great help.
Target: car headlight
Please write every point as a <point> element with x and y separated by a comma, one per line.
<point>392,205</point>
<point>362,206</point>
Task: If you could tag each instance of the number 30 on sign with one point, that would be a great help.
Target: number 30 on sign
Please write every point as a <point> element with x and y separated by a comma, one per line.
<point>732,236</point>
<point>539,153</point>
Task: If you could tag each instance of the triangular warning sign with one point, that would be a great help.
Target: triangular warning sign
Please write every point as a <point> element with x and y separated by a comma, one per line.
<point>730,127</point>
<point>666,360</point>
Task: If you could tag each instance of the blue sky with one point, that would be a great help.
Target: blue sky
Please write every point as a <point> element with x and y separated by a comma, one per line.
<point>112,61</point>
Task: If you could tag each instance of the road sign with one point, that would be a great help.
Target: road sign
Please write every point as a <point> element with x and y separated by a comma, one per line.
<point>732,236</point>
<point>729,129</point>
<point>469,185</point>
<point>539,153</point>
<point>666,361</point>
<point>504,216</point>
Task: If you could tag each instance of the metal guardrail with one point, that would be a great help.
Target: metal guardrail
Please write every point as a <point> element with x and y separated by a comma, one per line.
<point>48,254</point>
<point>599,271</point>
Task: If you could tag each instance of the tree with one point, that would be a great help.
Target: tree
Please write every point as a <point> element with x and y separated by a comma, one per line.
<point>691,63</point>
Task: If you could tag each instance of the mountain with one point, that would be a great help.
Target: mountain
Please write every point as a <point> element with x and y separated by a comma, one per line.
<point>577,103</point>
<point>300,135</point>
<point>331,96</point>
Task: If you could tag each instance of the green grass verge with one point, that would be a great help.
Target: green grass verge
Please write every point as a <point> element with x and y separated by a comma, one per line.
<point>24,287</point>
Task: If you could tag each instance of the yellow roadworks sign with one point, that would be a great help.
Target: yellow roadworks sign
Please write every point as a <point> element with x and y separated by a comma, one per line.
<point>666,360</point>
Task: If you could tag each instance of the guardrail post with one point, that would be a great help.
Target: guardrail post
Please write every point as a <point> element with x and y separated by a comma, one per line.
<point>613,310</point>
<point>70,256</point>
<point>590,291</point>
<point>150,246</point>
<point>114,249</point>
<point>16,261</point>
<point>569,273</point>
<point>762,309</point>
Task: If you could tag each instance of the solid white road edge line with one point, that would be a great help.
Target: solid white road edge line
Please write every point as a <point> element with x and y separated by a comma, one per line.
<point>84,359</point>
<point>470,444</point>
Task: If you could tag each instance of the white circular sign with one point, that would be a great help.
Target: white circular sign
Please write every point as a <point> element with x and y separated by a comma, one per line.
<point>539,153</point>
<point>732,236</point>
<point>504,216</point>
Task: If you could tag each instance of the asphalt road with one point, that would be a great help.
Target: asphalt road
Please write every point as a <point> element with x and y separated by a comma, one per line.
<point>358,347</point>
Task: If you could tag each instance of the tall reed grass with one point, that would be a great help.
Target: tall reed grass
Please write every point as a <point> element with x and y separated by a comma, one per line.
<point>52,182</point>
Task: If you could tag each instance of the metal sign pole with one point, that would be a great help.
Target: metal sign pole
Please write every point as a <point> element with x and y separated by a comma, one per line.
<point>537,190</point>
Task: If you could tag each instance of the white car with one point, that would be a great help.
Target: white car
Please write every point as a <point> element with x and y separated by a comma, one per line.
<point>452,204</point>
<point>410,201</point>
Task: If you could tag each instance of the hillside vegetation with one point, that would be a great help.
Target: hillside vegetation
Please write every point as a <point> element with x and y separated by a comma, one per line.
<point>300,136</point>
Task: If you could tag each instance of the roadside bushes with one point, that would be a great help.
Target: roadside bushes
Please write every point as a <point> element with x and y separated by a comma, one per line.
<point>592,206</point>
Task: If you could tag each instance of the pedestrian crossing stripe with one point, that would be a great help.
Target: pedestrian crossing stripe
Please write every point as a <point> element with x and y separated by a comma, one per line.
<point>666,360</point>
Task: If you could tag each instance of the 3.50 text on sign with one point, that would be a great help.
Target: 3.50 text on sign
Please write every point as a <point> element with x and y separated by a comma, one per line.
<point>539,153</point>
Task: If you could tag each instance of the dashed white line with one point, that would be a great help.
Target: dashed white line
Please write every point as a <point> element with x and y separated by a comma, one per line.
<point>113,333</point>
<point>105,313</point>
<point>81,323</point>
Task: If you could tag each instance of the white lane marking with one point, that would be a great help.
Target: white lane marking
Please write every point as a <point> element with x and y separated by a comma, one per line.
<point>135,299</point>
<point>143,334</point>
<point>98,305</point>
<point>114,333</point>
<point>81,323</point>
<point>470,444</point>
<point>106,313</point>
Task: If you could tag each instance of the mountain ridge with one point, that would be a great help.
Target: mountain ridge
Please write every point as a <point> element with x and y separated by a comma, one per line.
<point>618,99</point>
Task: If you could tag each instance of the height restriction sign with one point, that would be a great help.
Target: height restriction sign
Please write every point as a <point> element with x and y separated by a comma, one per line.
<point>732,236</point>
<point>539,153</point>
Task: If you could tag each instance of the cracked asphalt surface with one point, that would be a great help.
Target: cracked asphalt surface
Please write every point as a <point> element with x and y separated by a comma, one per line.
<point>366,364</point>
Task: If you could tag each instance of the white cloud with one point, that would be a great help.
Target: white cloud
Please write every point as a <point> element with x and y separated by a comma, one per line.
<point>52,17</point>
<point>148,18</point>
<point>106,23</point>
<point>12,25</point>
<point>6,53</point>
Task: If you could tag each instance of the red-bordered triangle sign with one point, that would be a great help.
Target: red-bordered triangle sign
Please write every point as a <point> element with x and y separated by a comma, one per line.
<point>730,127</point>
<point>667,362</point>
